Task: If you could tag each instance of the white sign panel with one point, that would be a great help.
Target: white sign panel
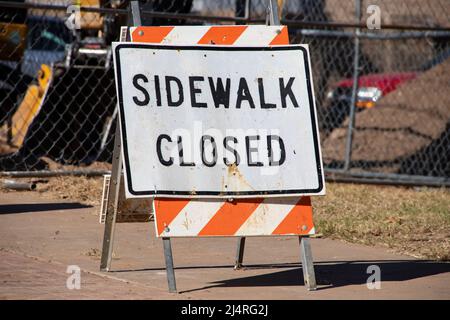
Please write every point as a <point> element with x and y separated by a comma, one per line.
<point>213,121</point>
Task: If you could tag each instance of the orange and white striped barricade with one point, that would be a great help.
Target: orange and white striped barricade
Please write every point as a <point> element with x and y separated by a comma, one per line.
<point>227,213</point>
<point>241,217</point>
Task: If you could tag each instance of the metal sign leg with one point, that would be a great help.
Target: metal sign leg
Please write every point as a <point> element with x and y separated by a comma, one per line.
<point>113,201</point>
<point>169,265</point>
<point>239,253</point>
<point>307,264</point>
<point>116,173</point>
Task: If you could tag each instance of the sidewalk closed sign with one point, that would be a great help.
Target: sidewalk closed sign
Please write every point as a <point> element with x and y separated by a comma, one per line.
<point>216,121</point>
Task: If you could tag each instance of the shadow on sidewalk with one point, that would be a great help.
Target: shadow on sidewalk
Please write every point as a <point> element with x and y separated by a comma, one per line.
<point>39,207</point>
<point>337,274</point>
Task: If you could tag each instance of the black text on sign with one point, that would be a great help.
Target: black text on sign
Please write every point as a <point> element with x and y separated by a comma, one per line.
<point>217,121</point>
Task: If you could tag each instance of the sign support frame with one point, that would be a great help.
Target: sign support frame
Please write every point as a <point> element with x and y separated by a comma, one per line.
<point>168,257</point>
<point>114,189</point>
<point>116,173</point>
<point>117,161</point>
<point>305,246</point>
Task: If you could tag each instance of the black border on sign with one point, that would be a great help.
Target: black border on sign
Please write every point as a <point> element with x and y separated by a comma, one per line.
<point>217,193</point>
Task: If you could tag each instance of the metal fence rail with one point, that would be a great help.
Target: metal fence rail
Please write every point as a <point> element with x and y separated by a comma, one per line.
<point>382,91</point>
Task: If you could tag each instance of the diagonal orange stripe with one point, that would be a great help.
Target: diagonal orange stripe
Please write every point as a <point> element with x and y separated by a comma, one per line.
<point>299,216</point>
<point>281,38</point>
<point>166,209</point>
<point>151,34</point>
<point>230,217</point>
<point>222,35</point>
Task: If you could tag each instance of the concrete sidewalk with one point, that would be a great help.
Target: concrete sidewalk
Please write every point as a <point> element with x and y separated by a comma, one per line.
<point>39,239</point>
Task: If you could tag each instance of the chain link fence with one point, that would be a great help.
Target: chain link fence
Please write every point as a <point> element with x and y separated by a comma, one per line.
<point>381,74</point>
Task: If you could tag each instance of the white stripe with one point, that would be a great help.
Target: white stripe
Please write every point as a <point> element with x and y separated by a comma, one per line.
<point>185,35</point>
<point>131,34</point>
<point>266,218</point>
<point>189,35</point>
<point>194,216</point>
<point>257,36</point>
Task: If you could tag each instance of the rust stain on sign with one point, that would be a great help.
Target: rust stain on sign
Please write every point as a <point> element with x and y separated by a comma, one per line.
<point>234,180</point>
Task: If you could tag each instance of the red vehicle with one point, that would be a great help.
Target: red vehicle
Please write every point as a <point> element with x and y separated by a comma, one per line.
<point>371,88</point>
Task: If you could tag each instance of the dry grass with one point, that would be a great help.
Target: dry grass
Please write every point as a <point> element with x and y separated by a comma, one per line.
<point>414,221</point>
<point>80,189</point>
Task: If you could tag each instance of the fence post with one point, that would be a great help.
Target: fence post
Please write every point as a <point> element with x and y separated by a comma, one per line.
<point>351,123</point>
<point>242,10</point>
<point>274,18</point>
